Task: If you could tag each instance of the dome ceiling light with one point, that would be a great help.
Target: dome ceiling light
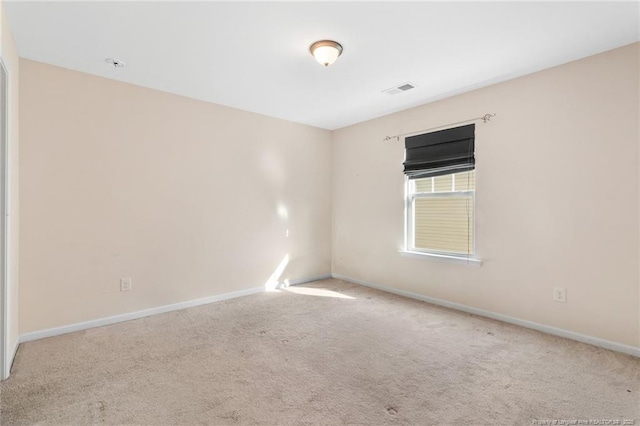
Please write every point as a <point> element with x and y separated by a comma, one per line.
<point>326,51</point>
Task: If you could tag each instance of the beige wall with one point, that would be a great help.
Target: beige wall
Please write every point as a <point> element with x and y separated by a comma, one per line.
<point>193,199</point>
<point>556,199</point>
<point>10,58</point>
<point>189,199</point>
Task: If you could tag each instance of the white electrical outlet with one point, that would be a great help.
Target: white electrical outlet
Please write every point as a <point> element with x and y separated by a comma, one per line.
<point>560,294</point>
<point>125,284</point>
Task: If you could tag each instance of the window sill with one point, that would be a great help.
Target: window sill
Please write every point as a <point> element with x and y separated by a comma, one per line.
<point>470,261</point>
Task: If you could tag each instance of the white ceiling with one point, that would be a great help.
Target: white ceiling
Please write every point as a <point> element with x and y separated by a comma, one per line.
<point>254,56</point>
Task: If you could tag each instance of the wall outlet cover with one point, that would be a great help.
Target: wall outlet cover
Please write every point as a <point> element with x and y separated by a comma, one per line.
<point>125,284</point>
<point>560,294</point>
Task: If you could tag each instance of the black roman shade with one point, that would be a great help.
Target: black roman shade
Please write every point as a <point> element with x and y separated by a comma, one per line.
<point>436,153</point>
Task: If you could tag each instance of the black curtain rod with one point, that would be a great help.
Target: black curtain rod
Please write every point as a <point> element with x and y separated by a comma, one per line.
<point>485,118</point>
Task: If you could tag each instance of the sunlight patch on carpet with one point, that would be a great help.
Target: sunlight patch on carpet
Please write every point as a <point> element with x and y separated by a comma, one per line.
<point>308,291</point>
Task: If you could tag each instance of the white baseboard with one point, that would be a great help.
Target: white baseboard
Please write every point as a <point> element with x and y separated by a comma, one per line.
<point>310,279</point>
<point>27,337</point>
<point>56,331</point>
<point>618,347</point>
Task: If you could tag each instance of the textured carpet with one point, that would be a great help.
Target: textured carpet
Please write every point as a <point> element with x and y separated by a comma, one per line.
<point>330,352</point>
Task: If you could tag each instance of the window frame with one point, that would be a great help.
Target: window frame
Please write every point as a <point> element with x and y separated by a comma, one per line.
<point>411,196</point>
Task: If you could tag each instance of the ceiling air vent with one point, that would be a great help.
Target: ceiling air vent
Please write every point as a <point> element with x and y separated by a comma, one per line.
<point>399,89</point>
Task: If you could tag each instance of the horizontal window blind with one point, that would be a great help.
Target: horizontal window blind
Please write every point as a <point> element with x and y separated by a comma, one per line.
<point>442,213</point>
<point>464,181</point>
<point>442,224</point>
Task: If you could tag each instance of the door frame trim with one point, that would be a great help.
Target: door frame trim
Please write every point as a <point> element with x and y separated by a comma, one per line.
<point>5,356</point>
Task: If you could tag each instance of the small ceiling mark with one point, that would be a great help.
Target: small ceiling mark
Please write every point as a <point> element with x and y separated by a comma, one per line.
<point>116,64</point>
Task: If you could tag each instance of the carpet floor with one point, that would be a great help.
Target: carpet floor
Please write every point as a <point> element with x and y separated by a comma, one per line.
<point>329,353</point>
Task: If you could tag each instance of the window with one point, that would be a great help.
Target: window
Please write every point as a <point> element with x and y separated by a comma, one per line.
<point>440,213</point>
<point>440,192</point>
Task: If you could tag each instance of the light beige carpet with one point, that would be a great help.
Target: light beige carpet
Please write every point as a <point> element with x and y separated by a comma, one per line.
<point>329,353</point>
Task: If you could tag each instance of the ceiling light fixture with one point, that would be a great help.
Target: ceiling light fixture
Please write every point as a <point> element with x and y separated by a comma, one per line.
<point>326,51</point>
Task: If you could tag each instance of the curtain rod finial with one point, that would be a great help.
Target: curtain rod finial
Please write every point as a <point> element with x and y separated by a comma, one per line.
<point>487,117</point>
